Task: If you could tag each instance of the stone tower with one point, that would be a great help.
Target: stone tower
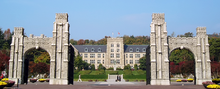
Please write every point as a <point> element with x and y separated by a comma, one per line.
<point>159,51</point>
<point>60,44</point>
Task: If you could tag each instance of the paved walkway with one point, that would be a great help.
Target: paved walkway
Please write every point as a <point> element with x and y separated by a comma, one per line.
<point>105,85</point>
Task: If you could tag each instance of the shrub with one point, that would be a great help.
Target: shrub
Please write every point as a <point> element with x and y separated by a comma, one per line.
<point>127,72</point>
<point>141,72</point>
<point>93,76</point>
<point>111,68</point>
<point>119,68</point>
<point>113,72</point>
<point>134,76</point>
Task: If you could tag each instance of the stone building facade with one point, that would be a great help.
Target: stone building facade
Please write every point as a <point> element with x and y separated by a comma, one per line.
<point>115,53</point>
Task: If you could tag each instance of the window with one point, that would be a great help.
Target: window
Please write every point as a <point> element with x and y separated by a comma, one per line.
<point>118,61</point>
<point>99,55</point>
<point>130,50</point>
<point>92,55</point>
<point>137,50</point>
<point>81,54</point>
<point>112,61</point>
<point>85,55</point>
<point>131,61</point>
<point>126,55</point>
<point>92,61</point>
<point>117,55</point>
<point>144,50</point>
<point>112,45</point>
<point>103,61</point>
<point>112,50</point>
<point>144,55</point>
<point>86,61</point>
<point>99,50</point>
<point>137,55</point>
<point>136,61</point>
<point>131,55</point>
<point>118,45</point>
<point>98,61</point>
<point>103,55</point>
<point>118,50</point>
<point>86,49</point>
<point>126,61</point>
<point>112,55</point>
<point>92,50</point>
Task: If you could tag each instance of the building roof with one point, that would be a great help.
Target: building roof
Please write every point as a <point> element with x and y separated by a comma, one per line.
<point>103,48</point>
<point>96,48</point>
<point>135,48</point>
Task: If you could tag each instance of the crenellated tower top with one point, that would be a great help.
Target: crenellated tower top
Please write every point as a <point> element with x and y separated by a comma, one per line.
<point>158,17</point>
<point>61,17</point>
<point>18,31</point>
<point>201,31</point>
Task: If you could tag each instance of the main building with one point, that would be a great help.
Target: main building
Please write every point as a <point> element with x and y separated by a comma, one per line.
<point>115,53</point>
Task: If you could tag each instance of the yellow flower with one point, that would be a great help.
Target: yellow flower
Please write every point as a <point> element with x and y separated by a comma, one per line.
<point>42,80</point>
<point>5,79</point>
<point>178,80</point>
<point>190,79</point>
<point>3,83</point>
<point>215,86</point>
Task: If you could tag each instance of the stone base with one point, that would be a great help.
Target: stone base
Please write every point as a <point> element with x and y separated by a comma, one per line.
<point>160,82</point>
<point>59,81</point>
<point>199,82</point>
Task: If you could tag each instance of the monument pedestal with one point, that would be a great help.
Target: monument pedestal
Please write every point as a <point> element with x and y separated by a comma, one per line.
<point>59,81</point>
<point>160,82</point>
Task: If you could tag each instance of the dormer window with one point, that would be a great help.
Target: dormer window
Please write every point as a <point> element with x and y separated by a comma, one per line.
<point>130,50</point>
<point>86,49</point>
<point>99,50</point>
<point>137,50</point>
<point>144,50</point>
<point>92,50</point>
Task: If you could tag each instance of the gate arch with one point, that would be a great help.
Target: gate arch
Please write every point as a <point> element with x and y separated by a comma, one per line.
<point>57,46</point>
<point>161,47</point>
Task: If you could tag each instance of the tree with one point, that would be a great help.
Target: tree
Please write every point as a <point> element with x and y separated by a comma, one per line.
<point>142,62</point>
<point>73,42</point>
<point>44,57</point>
<point>135,67</point>
<point>180,55</point>
<point>81,42</point>
<point>127,67</point>
<point>78,62</point>
<point>42,68</point>
<point>4,61</point>
<point>101,67</point>
<point>92,67</point>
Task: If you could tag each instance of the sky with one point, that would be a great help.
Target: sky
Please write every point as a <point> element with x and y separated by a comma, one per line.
<point>95,19</point>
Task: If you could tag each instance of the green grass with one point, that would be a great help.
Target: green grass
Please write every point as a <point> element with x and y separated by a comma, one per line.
<point>135,73</point>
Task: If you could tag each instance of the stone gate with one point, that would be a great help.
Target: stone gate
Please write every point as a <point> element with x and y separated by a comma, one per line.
<point>57,47</point>
<point>161,46</point>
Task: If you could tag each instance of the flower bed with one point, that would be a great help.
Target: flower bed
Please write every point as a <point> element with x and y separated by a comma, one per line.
<point>10,83</point>
<point>42,80</point>
<point>33,80</point>
<point>213,86</point>
<point>190,80</point>
<point>216,81</point>
<point>178,80</point>
<point>89,80</point>
<point>141,80</point>
<point>2,84</point>
<point>4,79</point>
<point>205,84</point>
<point>127,80</point>
<point>184,80</point>
<point>47,80</point>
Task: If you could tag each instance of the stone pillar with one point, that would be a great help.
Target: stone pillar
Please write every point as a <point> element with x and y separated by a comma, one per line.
<point>159,51</point>
<point>16,54</point>
<point>203,67</point>
<point>61,43</point>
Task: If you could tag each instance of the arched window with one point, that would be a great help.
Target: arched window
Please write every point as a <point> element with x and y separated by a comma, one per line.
<point>144,50</point>
<point>130,50</point>
<point>99,50</point>
<point>86,49</point>
<point>137,49</point>
<point>92,50</point>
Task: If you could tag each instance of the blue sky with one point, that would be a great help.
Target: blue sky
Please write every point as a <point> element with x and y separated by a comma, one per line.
<point>94,19</point>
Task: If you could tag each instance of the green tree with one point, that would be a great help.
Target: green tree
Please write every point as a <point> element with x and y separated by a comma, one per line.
<point>142,62</point>
<point>101,67</point>
<point>78,62</point>
<point>180,55</point>
<point>92,67</point>
<point>135,67</point>
<point>127,67</point>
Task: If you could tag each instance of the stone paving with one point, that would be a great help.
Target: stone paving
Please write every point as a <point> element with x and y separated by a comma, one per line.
<point>106,85</point>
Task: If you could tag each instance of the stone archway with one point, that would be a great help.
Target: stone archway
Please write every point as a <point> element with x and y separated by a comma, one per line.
<point>57,46</point>
<point>161,46</point>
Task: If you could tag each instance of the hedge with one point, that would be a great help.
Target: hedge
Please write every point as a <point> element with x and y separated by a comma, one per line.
<point>127,72</point>
<point>91,76</point>
<point>143,76</point>
<point>113,72</point>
